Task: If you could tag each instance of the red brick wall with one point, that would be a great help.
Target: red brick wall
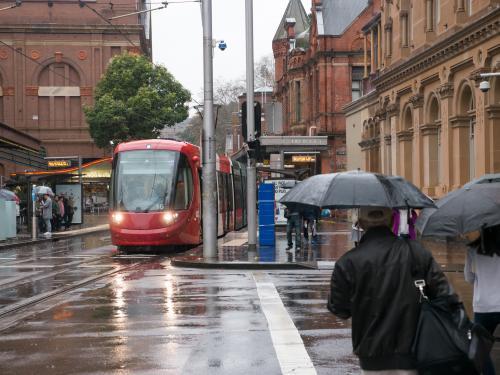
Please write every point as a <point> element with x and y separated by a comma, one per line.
<point>324,71</point>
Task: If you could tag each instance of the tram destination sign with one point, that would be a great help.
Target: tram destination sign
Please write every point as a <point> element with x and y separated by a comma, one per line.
<point>59,163</point>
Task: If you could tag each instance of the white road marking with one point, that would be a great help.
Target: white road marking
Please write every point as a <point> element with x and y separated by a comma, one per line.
<point>238,242</point>
<point>292,355</point>
<point>326,264</point>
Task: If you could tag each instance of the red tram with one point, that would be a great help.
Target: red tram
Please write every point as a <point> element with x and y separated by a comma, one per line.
<point>155,197</point>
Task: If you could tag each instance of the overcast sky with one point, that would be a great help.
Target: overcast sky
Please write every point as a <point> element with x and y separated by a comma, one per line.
<point>178,36</point>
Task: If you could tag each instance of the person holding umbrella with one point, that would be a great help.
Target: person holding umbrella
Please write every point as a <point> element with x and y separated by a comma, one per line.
<point>47,214</point>
<point>374,285</point>
<point>293,224</point>
<point>482,269</point>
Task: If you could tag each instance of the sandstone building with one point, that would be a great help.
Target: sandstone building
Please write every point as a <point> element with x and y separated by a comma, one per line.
<point>426,118</point>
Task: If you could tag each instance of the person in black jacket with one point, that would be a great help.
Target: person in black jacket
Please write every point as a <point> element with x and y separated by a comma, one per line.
<point>373,285</point>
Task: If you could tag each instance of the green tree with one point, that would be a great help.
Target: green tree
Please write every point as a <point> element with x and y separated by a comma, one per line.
<point>134,100</point>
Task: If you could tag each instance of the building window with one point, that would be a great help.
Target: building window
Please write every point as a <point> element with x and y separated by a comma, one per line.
<point>298,99</point>
<point>357,83</point>
<point>437,13</point>
<point>429,15</point>
<point>405,32</point>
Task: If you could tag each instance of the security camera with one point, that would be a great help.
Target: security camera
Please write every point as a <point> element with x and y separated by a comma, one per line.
<point>484,86</point>
<point>222,45</point>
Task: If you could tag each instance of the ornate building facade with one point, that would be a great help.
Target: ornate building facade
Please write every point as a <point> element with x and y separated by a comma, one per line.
<point>52,54</point>
<point>319,66</point>
<point>427,119</point>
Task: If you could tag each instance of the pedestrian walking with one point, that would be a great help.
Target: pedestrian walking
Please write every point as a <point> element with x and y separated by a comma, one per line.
<point>293,224</point>
<point>403,223</point>
<point>55,213</point>
<point>46,205</point>
<point>482,269</point>
<point>68,211</point>
<point>356,231</point>
<point>310,216</point>
<point>373,284</point>
<point>60,202</point>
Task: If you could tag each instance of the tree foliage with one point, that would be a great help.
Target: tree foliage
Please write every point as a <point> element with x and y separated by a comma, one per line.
<point>226,94</point>
<point>134,100</point>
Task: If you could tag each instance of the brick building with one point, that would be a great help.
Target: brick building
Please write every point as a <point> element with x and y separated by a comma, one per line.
<point>52,54</point>
<point>427,119</point>
<point>319,60</point>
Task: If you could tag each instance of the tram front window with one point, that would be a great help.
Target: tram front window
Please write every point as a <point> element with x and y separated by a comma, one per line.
<point>143,180</point>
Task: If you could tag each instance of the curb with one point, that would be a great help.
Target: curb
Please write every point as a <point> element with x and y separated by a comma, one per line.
<point>54,239</point>
<point>239,265</point>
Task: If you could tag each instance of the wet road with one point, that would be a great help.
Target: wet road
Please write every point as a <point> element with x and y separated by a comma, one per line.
<point>78,307</point>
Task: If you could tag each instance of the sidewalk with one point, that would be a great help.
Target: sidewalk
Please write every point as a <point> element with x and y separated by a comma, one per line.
<point>92,224</point>
<point>233,251</point>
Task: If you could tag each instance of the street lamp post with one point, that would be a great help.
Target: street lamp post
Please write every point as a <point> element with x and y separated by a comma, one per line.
<point>251,172</point>
<point>209,186</point>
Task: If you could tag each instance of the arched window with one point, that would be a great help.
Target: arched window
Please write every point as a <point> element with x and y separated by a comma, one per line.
<point>407,119</point>
<point>467,108</point>
<point>434,168</point>
<point>59,103</point>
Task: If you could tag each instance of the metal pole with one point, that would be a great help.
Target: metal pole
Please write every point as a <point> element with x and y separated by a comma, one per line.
<point>251,173</point>
<point>209,184</point>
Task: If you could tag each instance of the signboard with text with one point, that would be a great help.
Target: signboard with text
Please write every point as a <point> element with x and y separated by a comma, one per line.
<point>281,187</point>
<point>59,163</point>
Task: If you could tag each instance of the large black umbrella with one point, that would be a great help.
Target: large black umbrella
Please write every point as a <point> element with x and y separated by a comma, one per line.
<point>356,189</point>
<point>485,179</point>
<point>464,210</point>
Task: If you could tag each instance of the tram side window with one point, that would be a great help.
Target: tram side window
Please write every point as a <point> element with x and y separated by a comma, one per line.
<point>229,192</point>
<point>221,187</point>
<point>237,191</point>
<point>183,185</point>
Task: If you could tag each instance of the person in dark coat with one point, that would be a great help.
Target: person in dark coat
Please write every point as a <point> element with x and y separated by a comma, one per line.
<point>293,224</point>
<point>373,285</point>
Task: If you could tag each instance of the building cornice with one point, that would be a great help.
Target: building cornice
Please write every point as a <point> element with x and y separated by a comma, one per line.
<point>70,29</point>
<point>482,29</point>
<point>361,103</point>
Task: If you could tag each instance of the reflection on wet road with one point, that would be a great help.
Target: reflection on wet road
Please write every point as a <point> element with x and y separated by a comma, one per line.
<point>154,318</point>
<point>76,306</point>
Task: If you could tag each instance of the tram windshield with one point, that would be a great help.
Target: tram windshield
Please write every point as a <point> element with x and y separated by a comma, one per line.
<point>143,180</point>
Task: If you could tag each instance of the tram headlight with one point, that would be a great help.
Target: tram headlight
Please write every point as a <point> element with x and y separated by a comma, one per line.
<point>169,217</point>
<point>117,217</point>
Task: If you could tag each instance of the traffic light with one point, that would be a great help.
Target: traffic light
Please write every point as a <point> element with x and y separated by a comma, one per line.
<point>257,120</point>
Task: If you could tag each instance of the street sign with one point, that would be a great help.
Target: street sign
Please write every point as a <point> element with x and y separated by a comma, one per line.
<point>59,163</point>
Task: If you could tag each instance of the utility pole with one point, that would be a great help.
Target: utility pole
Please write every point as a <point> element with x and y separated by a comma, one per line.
<point>251,172</point>
<point>209,184</point>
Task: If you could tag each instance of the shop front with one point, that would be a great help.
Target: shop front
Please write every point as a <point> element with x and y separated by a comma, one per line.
<point>87,184</point>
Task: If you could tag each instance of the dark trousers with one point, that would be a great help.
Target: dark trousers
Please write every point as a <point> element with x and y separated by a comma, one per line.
<point>294,223</point>
<point>490,322</point>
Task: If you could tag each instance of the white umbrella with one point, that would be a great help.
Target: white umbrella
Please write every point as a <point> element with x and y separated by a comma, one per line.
<point>42,190</point>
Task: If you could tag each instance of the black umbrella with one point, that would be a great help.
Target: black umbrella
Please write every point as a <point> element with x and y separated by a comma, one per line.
<point>356,189</point>
<point>461,211</point>
<point>485,179</point>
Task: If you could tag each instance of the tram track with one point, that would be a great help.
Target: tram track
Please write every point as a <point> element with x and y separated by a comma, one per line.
<point>21,308</point>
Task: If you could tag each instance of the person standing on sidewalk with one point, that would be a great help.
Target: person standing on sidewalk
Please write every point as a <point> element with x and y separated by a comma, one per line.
<point>373,284</point>
<point>47,214</point>
<point>293,224</point>
<point>60,203</point>
<point>483,271</point>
